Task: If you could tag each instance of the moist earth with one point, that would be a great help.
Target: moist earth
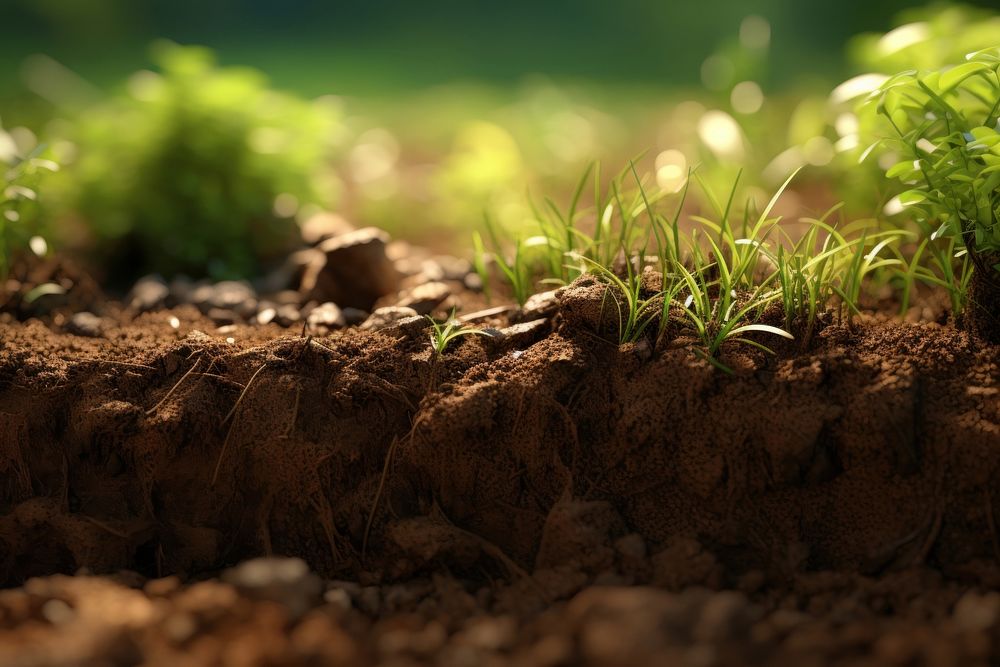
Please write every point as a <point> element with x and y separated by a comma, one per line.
<point>539,496</point>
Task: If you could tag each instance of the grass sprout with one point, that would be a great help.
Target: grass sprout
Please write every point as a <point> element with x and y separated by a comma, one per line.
<point>863,262</point>
<point>938,262</point>
<point>730,274</point>
<point>444,333</point>
<point>637,312</point>
<point>516,271</point>
<point>716,312</point>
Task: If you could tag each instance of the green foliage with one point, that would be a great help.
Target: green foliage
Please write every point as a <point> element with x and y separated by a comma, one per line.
<point>927,38</point>
<point>19,181</point>
<point>720,281</point>
<point>940,262</point>
<point>184,171</point>
<point>942,127</point>
<point>444,333</point>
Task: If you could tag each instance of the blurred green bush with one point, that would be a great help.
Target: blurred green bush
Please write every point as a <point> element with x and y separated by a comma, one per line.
<point>927,38</point>
<point>22,166</point>
<point>194,169</point>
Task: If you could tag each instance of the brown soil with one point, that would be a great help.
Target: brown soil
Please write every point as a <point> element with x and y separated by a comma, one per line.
<point>834,504</point>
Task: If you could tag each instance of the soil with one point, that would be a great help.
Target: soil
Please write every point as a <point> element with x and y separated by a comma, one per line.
<point>540,497</point>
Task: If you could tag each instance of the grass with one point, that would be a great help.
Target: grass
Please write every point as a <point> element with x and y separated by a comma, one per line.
<point>635,311</point>
<point>939,261</point>
<point>723,275</point>
<point>444,333</point>
<point>516,271</point>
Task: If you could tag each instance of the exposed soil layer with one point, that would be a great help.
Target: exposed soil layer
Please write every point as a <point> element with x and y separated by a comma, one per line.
<point>517,470</point>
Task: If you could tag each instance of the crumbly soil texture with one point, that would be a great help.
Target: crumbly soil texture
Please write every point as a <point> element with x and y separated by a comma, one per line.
<point>541,496</point>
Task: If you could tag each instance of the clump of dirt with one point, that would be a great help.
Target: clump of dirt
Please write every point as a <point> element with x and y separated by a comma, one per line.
<point>545,461</point>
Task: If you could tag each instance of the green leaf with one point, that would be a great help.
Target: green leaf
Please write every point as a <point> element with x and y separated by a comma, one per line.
<point>764,328</point>
<point>901,168</point>
<point>45,289</point>
<point>960,73</point>
<point>912,197</point>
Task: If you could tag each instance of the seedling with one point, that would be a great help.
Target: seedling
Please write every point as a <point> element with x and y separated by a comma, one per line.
<point>636,313</point>
<point>862,263</point>
<point>443,333</point>
<point>716,312</point>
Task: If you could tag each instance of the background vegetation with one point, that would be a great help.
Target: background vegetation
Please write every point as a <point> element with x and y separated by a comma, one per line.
<point>419,118</point>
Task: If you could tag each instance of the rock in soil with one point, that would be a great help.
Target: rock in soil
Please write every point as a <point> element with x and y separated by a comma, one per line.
<point>223,316</point>
<point>149,293</point>
<point>237,296</point>
<point>540,305</point>
<point>263,616</point>
<point>424,299</point>
<point>286,581</point>
<point>523,334</point>
<point>353,270</point>
<point>326,317</point>
<point>322,226</point>
<point>267,313</point>
<point>388,316</point>
<point>85,324</point>
<point>288,314</point>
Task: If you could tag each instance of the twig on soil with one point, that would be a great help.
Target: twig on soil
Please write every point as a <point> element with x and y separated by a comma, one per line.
<point>223,378</point>
<point>568,423</point>
<point>487,313</point>
<point>388,389</point>
<point>174,388</point>
<point>322,347</point>
<point>84,360</point>
<point>243,393</point>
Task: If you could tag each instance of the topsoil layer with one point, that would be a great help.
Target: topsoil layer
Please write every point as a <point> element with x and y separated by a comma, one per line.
<point>533,464</point>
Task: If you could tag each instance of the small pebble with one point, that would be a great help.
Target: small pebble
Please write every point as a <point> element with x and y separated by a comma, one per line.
<point>325,317</point>
<point>383,318</point>
<point>57,612</point>
<point>266,316</point>
<point>149,293</point>
<point>85,324</point>
<point>339,598</point>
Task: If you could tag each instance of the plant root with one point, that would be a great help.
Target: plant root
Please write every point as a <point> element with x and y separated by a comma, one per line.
<point>177,384</point>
